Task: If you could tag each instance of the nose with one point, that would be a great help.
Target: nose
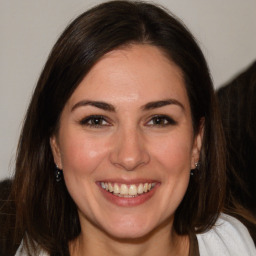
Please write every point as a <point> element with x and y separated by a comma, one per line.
<point>129,151</point>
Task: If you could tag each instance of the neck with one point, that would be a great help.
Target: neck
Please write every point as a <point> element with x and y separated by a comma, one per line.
<point>161,241</point>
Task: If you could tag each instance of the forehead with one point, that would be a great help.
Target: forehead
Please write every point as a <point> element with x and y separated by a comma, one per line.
<point>136,73</point>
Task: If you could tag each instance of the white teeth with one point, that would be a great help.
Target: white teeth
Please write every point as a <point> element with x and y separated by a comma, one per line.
<point>110,187</point>
<point>116,189</point>
<point>102,185</point>
<point>124,190</point>
<point>133,190</point>
<point>140,189</point>
<point>145,187</point>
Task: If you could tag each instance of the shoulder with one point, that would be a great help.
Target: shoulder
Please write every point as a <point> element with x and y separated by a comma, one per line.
<point>227,237</point>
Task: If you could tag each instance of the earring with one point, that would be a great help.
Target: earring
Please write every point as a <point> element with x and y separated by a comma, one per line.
<point>197,167</point>
<point>58,174</point>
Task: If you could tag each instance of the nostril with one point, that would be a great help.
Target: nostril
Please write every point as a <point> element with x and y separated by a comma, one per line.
<point>130,163</point>
<point>129,151</point>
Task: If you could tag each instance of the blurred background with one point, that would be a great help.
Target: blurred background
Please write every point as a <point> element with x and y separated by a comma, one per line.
<point>225,30</point>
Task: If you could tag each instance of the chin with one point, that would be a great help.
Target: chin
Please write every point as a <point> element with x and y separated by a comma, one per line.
<point>130,228</point>
<point>129,233</point>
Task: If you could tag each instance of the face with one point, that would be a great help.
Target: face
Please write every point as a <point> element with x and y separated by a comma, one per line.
<point>126,143</point>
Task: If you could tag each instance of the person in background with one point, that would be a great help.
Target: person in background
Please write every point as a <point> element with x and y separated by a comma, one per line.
<point>237,101</point>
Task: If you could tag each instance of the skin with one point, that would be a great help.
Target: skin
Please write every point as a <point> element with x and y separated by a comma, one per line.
<point>128,144</point>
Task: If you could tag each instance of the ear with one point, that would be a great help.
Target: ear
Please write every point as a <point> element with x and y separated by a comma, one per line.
<point>198,140</point>
<point>56,151</point>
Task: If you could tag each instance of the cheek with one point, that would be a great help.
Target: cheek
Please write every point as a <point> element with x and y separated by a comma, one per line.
<point>81,154</point>
<point>174,153</point>
<point>81,157</point>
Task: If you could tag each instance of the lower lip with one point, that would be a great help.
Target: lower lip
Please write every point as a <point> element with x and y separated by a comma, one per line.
<point>128,201</point>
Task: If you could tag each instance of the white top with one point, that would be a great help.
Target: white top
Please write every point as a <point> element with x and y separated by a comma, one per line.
<point>228,237</point>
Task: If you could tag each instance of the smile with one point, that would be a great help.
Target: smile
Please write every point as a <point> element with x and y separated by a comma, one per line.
<point>124,190</point>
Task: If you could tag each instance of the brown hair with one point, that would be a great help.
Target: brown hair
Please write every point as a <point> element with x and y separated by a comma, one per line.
<point>46,214</point>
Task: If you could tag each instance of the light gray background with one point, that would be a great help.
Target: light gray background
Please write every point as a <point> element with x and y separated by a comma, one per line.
<point>225,29</point>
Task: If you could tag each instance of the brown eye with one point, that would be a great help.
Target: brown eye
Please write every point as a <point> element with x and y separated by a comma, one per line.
<point>94,121</point>
<point>161,120</point>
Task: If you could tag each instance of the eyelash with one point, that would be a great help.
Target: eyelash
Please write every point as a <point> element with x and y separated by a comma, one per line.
<point>161,118</point>
<point>96,121</point>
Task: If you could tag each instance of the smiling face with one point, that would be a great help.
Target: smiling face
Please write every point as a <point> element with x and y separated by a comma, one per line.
<point>126,143</point>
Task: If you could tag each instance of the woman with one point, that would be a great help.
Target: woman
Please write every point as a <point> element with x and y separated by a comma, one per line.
<point>123,111</point>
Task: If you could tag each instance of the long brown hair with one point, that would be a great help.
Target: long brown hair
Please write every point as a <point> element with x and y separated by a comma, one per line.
<point>46,214</point>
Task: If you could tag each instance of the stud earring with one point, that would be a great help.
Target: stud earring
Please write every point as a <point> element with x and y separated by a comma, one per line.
<point>58,174</point>
<point>197,167</point>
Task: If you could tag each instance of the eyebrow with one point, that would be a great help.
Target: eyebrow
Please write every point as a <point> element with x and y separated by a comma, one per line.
<point>162,103</point>
<point>97,104</point>
<point>109,107</point>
